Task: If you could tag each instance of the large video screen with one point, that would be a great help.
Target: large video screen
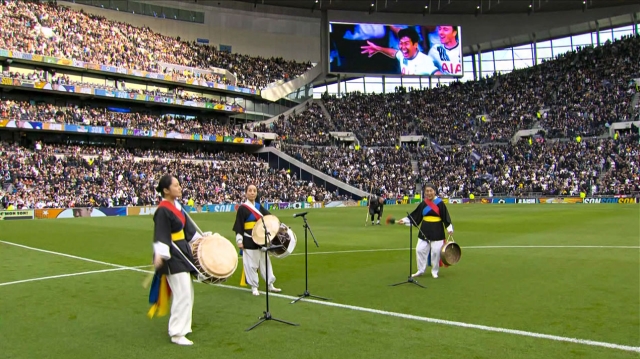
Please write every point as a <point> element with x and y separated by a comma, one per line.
<point>406,50</point>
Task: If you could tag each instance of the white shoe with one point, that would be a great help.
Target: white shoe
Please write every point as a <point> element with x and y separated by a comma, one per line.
<point>274,289</point>
<point>417,274</point>
<point>434,275</point>
<point>181,340</point>
<point>255,291</point>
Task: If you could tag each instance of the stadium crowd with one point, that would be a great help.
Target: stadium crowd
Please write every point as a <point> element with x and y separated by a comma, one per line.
<point>53,30</point>
<point>54,176</point>
<point>598,166</point>
<point>384,169</point>
<point>95,116</point>
<point>309,127</point>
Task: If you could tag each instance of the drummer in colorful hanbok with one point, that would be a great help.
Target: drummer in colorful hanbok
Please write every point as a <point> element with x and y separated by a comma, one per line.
<point>432,217</point>
<point>173,262</point>
<point>252,258</point>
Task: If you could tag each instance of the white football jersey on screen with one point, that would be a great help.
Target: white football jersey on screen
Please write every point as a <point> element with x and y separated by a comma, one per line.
<point>421,64</point>
<point>448,61</point>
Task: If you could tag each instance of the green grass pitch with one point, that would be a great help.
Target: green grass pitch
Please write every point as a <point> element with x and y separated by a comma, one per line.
<point>532,268</point>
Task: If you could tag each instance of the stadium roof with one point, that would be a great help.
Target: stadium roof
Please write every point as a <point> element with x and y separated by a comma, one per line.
<point>440,7</point>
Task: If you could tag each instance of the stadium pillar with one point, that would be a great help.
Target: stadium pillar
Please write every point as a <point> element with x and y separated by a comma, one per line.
<point>635,23</point>
<point>479,63</point>
<point>474,66</point>
<point>598,32</point>
<point>534,49</point>
<point>324,42</point>
<point>384,85</point>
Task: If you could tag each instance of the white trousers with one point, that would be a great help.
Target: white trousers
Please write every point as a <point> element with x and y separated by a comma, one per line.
<point>181,304</point>
<point>252,259</point>
<point>422,253</point>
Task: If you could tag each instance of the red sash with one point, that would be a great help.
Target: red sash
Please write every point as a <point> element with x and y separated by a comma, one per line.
<point>432,206</point>
<point>172,207</point>
<point>253,210</point>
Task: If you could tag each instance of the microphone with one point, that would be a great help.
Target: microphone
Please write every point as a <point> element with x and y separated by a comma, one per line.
<point>300,214</point>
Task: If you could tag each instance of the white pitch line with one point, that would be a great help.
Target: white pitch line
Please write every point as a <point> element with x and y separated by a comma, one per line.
<point>74,257</point>
<point>69,275</point>
<point>456,324</point>
<point>383,312</point>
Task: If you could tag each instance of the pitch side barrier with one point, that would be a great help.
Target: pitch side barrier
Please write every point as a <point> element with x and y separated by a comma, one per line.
<point>520,200</point>
<point>83,212</point>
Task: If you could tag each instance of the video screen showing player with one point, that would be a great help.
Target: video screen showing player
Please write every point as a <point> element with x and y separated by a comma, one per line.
<point>447,54</point>
<point>395,49</point>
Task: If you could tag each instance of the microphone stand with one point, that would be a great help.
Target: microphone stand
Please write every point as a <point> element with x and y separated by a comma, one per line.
<point>306,263</point>
<point>410,279</point>
<point>266,249</point>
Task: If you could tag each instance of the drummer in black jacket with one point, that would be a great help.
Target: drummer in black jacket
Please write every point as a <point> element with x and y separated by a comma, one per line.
<point>173,261</point>
<point>432,218</point>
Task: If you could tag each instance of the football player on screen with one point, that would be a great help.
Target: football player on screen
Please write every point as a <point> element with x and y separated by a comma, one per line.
<point>412,61</point>
<point>447,55</point>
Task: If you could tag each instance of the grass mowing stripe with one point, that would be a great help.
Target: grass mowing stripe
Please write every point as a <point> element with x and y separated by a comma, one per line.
<point>69,275</point>
<point>382,312</point>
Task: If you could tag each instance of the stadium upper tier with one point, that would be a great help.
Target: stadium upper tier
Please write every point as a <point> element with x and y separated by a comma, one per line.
<point>50,30</point>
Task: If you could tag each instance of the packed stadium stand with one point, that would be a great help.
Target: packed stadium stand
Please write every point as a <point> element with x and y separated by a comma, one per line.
<point>100,116</point>
<point>51,30</point>
<point>55,176</point>
<point>468,130</point>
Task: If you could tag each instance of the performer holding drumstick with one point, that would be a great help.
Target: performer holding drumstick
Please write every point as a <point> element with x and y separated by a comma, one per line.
<point>246,217</point>
<point>431,216</point>
<point>173,262</point>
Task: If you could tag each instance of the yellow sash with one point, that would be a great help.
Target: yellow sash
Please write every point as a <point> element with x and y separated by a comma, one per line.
<point>178,236</point>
